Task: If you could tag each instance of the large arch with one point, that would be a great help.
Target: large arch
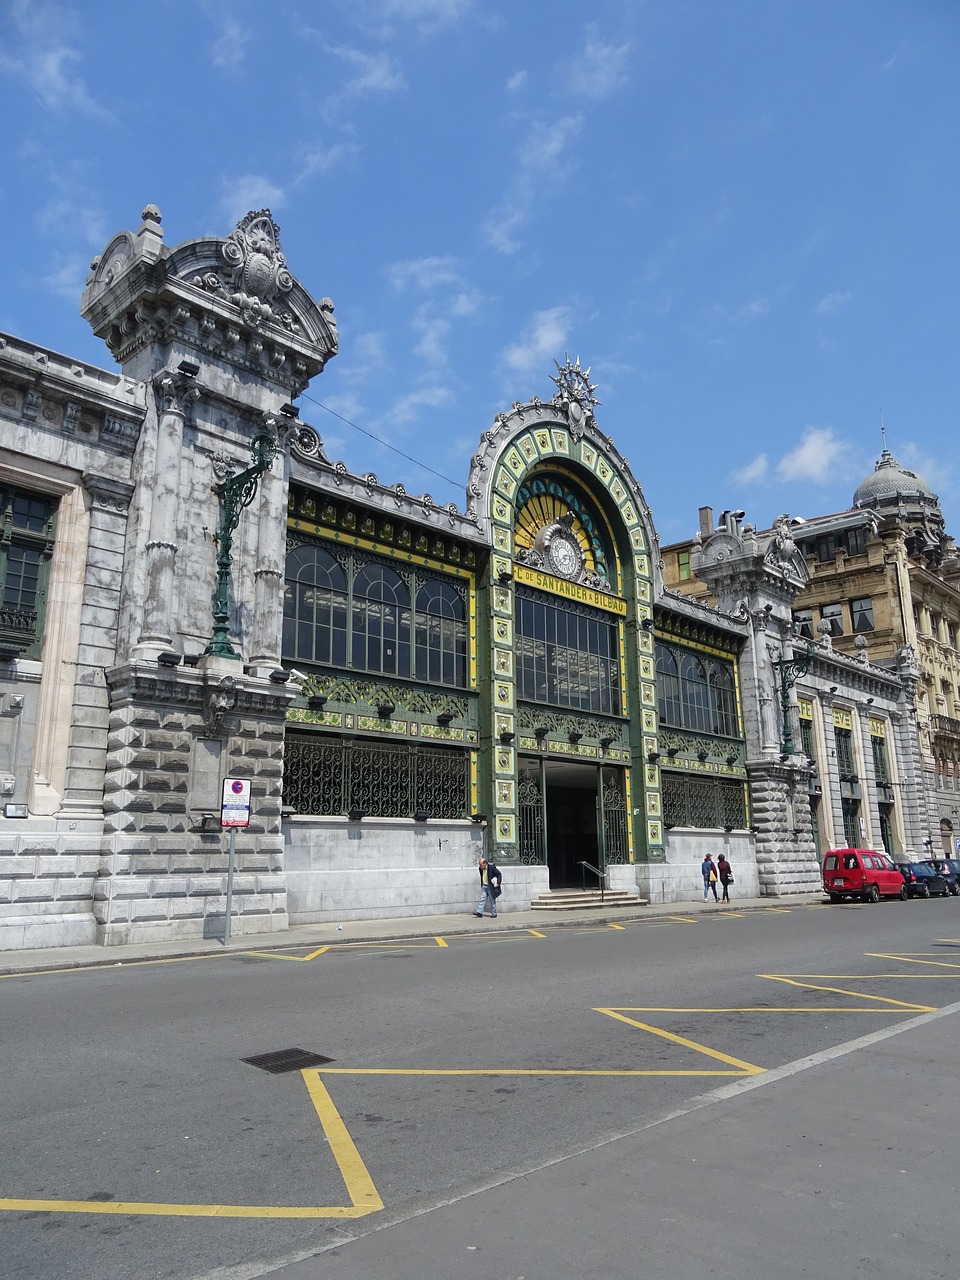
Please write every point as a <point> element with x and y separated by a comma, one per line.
<point>572,546</point>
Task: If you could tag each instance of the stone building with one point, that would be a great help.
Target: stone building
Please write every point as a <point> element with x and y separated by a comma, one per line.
<point>853,611</point>
<point>193,591</point>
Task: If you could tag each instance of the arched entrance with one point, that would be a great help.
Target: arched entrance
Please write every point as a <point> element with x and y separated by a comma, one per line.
<point>573,817</point>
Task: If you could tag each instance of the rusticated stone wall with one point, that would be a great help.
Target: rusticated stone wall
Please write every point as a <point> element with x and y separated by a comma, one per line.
<point>173,735</point>
<point>780,816</point>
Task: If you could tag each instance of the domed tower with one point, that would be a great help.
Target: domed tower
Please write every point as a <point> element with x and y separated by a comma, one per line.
<point>902,497</point>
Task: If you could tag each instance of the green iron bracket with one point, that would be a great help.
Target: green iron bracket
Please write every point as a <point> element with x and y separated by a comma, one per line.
<point>236,493</point>
<point>790,670</point>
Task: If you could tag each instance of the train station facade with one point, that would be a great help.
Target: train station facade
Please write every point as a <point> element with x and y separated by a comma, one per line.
<point>193,591</point>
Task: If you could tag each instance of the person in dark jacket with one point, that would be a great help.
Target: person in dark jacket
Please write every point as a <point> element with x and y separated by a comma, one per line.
<point>490,884</point>
<point>709,873</point>
<point>725,872</point>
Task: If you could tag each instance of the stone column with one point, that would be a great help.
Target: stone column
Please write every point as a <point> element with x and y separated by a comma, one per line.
<point>266,637</point>
<point>175,393</point>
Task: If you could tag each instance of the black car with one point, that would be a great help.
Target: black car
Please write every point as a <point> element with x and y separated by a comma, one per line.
<point>922,881</point>
<point>949,868</point>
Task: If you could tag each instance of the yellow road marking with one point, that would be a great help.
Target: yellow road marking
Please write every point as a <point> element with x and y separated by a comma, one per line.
<point>682,919</point>
<point>280,955</point>
<point>441,942</point>
<point>536,933</point>
<point>915,958</point>
<point>610,925</point>
<point>528,1071</point>
<point>745,1068</point>
<point>364,1198</point>
<point>905,1005</point>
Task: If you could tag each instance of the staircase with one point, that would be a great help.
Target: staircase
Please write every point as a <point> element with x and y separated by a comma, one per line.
<point>585,899</point>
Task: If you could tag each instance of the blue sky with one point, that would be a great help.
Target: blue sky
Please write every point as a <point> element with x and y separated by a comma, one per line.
<point>742,215</point>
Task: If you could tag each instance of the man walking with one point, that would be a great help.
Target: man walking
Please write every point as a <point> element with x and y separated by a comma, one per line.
<point>490,884</point>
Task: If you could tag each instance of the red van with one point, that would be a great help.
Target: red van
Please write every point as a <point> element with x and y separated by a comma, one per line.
<point>863,874</point>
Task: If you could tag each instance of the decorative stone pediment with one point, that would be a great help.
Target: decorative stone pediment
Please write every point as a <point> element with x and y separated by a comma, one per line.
<point>233,299</point>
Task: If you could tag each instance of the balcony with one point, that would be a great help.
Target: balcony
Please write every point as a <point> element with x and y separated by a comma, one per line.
<point>946,725</point>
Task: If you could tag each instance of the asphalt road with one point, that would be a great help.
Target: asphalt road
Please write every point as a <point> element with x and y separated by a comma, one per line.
<point>516,1103</point>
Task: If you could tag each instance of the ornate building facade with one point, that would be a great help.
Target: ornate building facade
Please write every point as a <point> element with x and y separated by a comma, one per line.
<point>193,592</point>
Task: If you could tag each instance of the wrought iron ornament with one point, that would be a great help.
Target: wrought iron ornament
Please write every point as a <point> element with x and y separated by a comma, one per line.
<point>236,493</point>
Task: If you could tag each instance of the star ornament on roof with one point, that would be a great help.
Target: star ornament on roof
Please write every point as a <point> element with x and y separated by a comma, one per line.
<point>574,383</point>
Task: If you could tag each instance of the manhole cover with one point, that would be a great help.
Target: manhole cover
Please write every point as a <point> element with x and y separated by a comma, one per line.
<point>286,1060</point>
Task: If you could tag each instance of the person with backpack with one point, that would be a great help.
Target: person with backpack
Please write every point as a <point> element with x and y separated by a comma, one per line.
<point>490,883</point>
<point>709,873</point>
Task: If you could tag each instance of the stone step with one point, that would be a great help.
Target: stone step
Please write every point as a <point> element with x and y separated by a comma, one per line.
<point>585,899</point>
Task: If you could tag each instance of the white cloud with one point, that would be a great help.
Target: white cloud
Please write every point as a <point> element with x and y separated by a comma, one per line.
<point>427,14</point>
<point>424,273</point>
<point>433,331</point>
<point>66,279</point>
<point>754,471</point>
<point>540,154</point>
<point>247,192</point>
<point>374,72</point>
<point>544,340</point>
<point>516,81</point>
<point>407,408</point>
<point>323,159</point>
<point>47,62</point>
<point>230,49</point>
<point>817,458</point>
<point>599,69</point>
<point>831,303</point>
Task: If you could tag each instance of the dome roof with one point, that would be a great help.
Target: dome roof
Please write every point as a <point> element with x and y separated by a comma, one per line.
<point>889,481</point>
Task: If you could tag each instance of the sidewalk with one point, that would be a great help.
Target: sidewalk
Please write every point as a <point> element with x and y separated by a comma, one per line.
<point>309,936</point>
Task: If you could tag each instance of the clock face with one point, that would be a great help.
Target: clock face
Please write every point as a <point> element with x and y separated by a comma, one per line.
<point>565,556</point>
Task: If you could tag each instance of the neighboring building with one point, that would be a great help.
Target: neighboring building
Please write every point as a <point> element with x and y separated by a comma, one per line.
<point>193,592</point>
<point>882,586</point>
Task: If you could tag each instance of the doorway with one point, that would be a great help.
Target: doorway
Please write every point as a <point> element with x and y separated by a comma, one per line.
<point>572,821</point>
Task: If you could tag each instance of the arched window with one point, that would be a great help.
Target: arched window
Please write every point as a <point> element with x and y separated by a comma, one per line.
<point>694,695</point>
<point>315,607</point>
<point>440,640</point>
<point>381,621</point>
<point>724,701</point>
<point>668,682</point>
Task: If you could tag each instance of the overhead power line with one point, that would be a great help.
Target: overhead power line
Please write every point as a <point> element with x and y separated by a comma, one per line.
<point>386,445</point>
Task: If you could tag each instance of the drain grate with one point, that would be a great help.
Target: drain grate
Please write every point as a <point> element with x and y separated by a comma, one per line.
<point>286,1060</point>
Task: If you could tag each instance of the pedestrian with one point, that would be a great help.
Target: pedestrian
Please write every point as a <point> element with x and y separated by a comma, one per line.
<point>490,881</point>
<point>709,873</point>
<point>725,872</point>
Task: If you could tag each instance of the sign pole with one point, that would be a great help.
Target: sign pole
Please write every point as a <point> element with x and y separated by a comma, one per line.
<point>231,862</point>
<point>234,812</point>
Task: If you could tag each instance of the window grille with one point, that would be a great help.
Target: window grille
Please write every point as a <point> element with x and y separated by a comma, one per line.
<point>711,803</point>
<point>696,692</point>
<point>329,776</point>
<point>844,743</point>
<point>27,522</point>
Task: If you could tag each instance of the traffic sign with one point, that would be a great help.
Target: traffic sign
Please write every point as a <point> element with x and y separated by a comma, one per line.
<point>235,803</point>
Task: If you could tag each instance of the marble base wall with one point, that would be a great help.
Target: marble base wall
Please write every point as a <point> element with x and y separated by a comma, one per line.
<point>391,867</point>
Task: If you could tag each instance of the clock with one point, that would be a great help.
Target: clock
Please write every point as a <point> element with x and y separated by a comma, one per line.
<point>563,553</point>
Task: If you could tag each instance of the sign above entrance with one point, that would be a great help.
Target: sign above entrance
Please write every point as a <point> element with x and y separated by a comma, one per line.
<point>572,590</point>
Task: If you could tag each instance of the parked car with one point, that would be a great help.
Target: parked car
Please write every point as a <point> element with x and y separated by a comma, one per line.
<point>922,881</point>
<point>863,874</point>
<point>949,868</point>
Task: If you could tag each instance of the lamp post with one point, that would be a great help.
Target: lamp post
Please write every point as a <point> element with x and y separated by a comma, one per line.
<point>236,493</point>
<point>790,670</point>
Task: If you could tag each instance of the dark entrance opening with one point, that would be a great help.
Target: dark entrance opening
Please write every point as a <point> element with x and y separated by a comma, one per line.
<point>571,825</point>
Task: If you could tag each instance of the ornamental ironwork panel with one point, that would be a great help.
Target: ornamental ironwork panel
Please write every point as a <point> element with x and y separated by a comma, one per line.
<point>533,845</point>
<point>615,844</point>
<point>711,803</point>
<point>382,779</point>
<point>440,783</point>
<point>313,776</point>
